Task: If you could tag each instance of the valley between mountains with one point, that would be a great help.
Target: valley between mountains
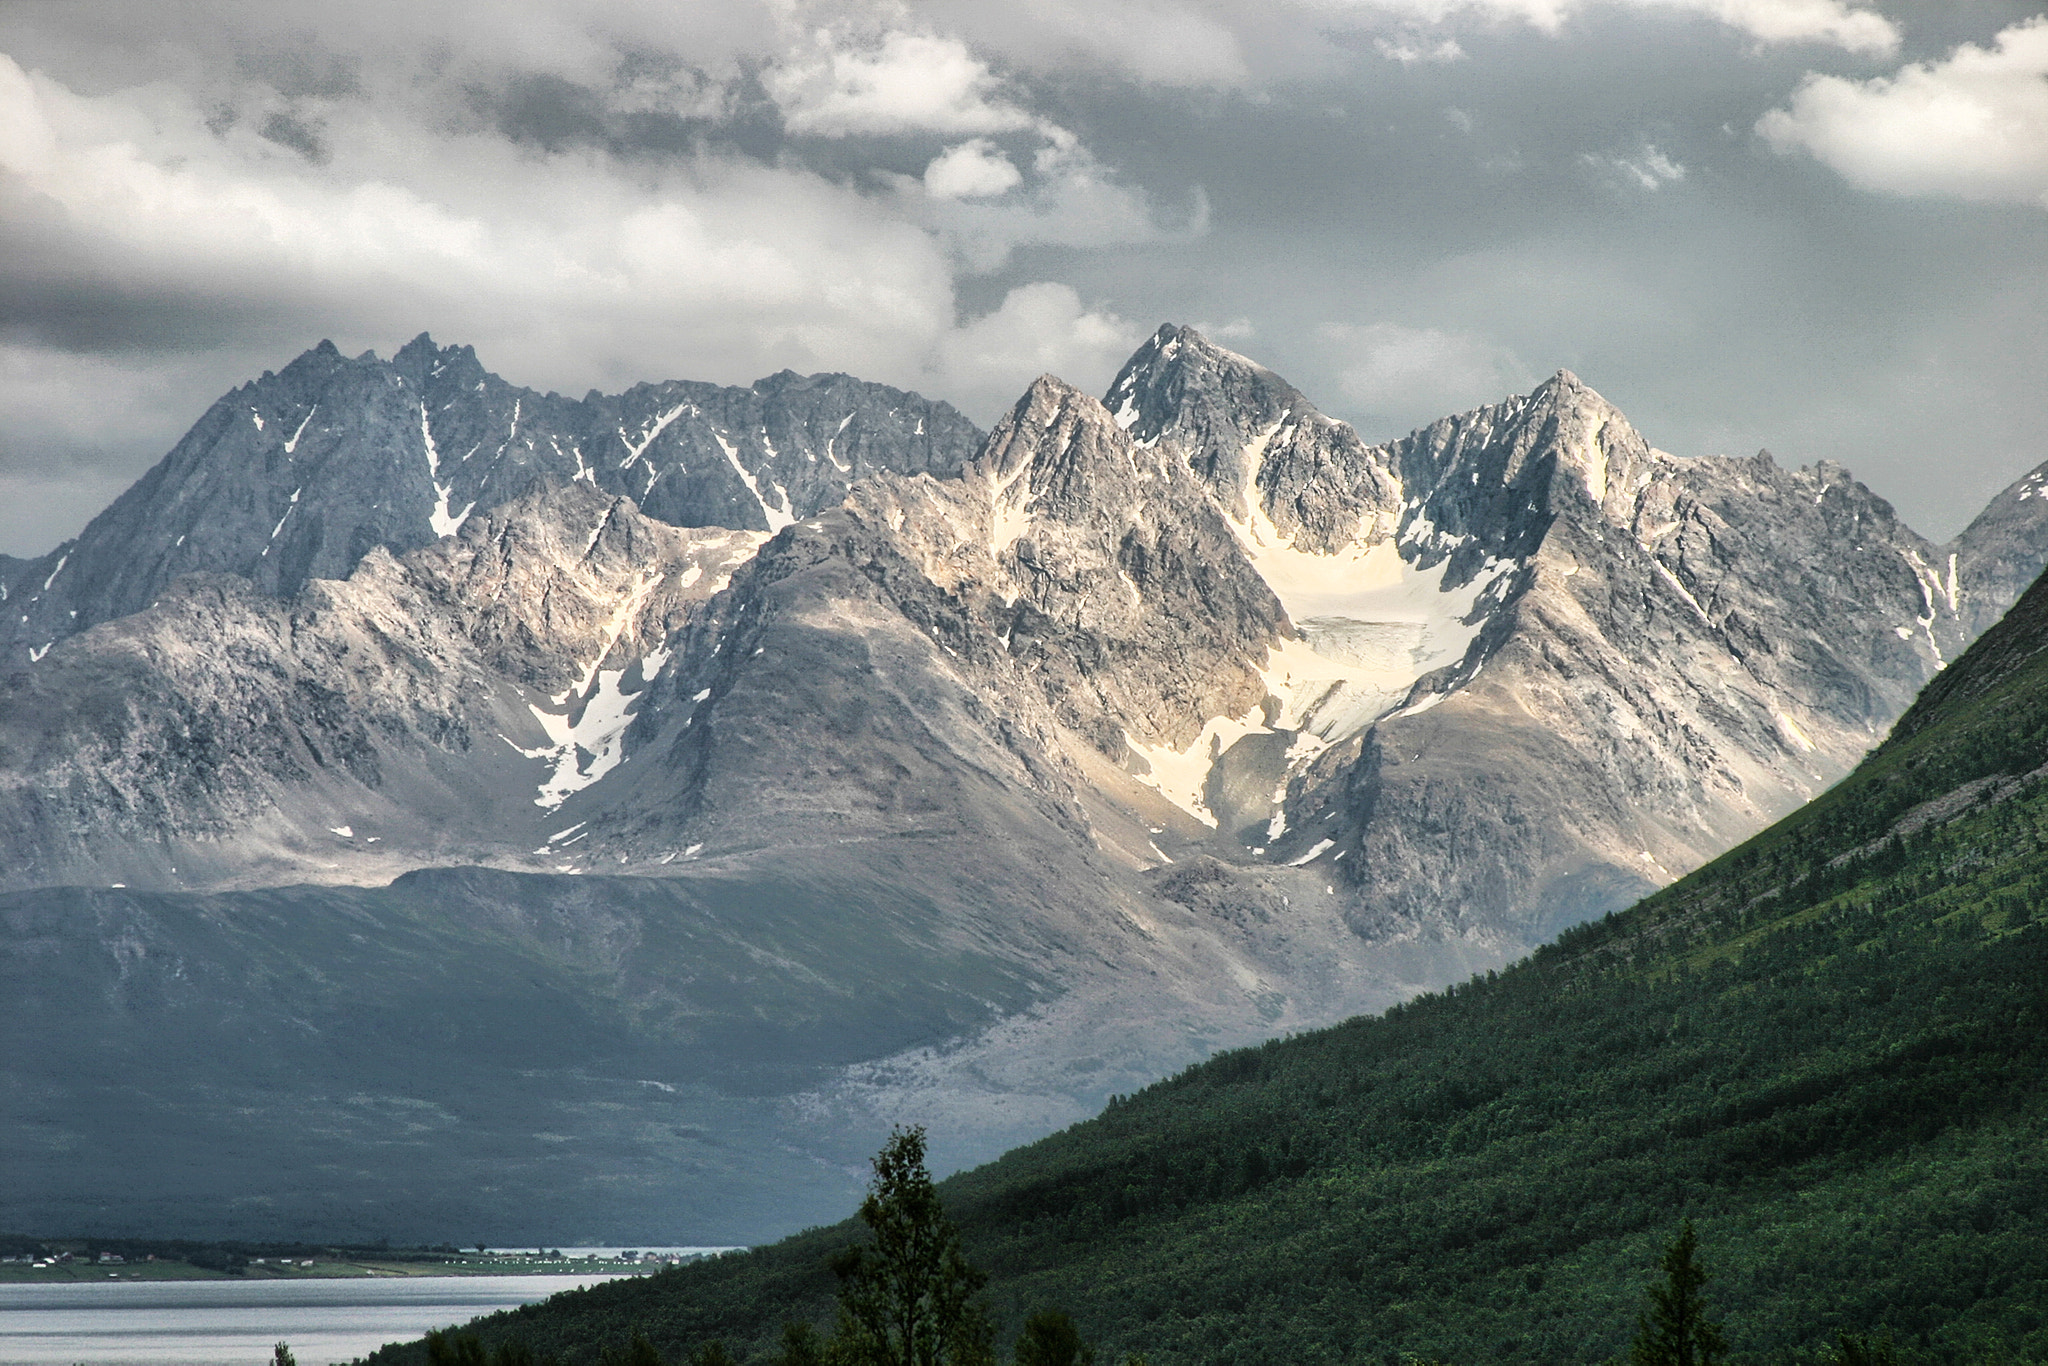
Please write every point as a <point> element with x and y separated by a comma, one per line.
<point>438,810</point>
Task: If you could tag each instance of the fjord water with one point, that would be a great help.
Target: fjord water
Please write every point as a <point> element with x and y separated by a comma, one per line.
<point>236,1323</point>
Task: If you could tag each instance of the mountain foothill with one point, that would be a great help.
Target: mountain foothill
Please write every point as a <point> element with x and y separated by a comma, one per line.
<point>433,804</point>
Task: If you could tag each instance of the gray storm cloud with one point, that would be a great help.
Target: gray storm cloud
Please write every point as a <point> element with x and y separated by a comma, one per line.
<point>1715,210</point>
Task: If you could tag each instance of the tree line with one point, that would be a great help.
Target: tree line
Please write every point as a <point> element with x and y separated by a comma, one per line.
<point>909,1297</point>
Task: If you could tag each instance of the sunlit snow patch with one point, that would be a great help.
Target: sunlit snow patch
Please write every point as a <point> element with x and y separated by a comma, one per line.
<point>293,444</point>
<point>1009,508</point>
<point>1370,624</point>
<point>778,518</point>
<point>1321,847</point>
<point>1180,776</point>
<point>636,449</point>
<point>443,522</point>
<point>589,740</point>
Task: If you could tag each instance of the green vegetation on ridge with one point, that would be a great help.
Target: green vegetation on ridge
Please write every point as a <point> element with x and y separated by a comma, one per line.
<point>1829,1050</point>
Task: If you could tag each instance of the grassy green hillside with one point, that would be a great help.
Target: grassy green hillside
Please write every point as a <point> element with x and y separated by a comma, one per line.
<point>1829,1049</point>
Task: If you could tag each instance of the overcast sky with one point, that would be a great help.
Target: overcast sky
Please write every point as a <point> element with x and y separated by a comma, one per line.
<point>1819,226</point>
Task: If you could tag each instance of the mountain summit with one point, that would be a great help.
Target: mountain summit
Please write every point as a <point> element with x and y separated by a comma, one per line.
<point>298,475</point>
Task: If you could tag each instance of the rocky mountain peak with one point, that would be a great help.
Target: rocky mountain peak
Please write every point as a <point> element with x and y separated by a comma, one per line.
<point>1561,427</point>
<point>308,366</point>
<point>1019,437</point>
<point>1994,558</point>
<point>1489,483</point>
<point>1256,442</point>
<point>298,475</point>
<point>416,356</point>
<point>1124,589</point>
<point>1060,454</point>
<point>441,372</point>
<point>1211,402</point>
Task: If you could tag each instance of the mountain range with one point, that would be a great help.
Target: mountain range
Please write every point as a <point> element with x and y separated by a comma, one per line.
<point>1824,1053</point>
<point>426,778</point>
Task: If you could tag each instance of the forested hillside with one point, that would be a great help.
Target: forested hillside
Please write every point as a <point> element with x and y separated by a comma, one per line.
<point>1829,1049</point>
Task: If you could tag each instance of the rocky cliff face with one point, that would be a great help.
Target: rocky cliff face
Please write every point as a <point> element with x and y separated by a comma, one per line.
<point>1152,724</point>
<point>1663,654</point>
<point>1511,671</point>
<point>435,708</point>
<point>1996,557</point>
<point>1548,666</point>
<point>298,475</point>
<point>1256,442</point>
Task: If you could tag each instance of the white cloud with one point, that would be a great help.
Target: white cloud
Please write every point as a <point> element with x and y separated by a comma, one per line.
<point>1648,169</point>
<point>895,82</point>
<point>1072,200</point>
<point>1833,22</point>
<point>1407,52</point>
<point>553,262</point>
<point>1974,126</point>
<point>972,170</point>
<point>1849,27</point>
<point>1039,329</point>
<point>1157,42</point>
<point>1387,368</point>
<point>127,41</point>
<point>899,82</point>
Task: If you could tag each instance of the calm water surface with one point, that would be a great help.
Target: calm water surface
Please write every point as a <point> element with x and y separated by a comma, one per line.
<point>235,1323</point>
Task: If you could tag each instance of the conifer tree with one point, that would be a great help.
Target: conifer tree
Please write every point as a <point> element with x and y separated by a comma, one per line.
<point>1051,1338</point>
<point>801,1345</point>
<point>1676,1330</point>
<point>907,1299</point>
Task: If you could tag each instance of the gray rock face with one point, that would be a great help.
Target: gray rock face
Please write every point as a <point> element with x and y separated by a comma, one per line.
<point>873,668</point>
<point>1107,575</point>
<point>424,709</point>
<point>1997,556</point>
<point>300,474</point>
<point>1513,670</point>
<point>1636,659</point>
<point>1256,441</point>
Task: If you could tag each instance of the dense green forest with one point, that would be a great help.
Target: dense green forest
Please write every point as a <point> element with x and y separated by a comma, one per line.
<point>1828,1050</point>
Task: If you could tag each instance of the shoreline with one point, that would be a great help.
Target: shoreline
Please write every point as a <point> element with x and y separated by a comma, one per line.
<point>322,1269</point>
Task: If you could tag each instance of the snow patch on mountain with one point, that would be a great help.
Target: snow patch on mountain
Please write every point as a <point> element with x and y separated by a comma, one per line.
<point>1009,512</point>
<point>443,522</point>
<point>1381,625</point>
<point>1181,776</point>
<point>293,444</point>
<point>587,743</point>
<point>778,518</point>
<point>636,449</point>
